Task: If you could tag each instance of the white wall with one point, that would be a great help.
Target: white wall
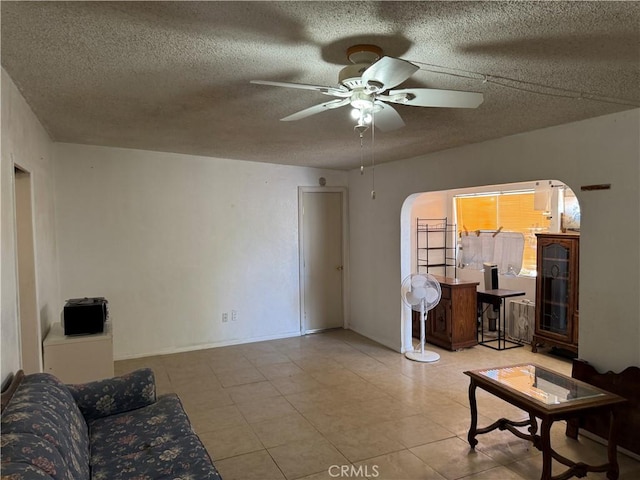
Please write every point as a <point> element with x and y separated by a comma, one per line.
<point>600,150</point>
<point>25,142</point>
<point>172,241</point>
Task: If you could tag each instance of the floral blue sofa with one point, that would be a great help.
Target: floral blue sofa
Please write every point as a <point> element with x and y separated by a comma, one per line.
<point>112,429</point>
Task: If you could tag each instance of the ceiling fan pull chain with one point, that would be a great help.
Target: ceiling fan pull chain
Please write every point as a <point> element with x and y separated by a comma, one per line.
<point>373,162</point>
<point>361,154</point>
<point>361,127</point>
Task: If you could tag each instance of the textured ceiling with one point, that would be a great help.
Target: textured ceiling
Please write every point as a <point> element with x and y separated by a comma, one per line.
<point>174,76</point>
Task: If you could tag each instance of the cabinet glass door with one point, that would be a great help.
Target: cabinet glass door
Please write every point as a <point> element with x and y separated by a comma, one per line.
<point>555,285</point>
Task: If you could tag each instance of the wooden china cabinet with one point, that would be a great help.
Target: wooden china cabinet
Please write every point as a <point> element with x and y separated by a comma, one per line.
<point>557,291</point>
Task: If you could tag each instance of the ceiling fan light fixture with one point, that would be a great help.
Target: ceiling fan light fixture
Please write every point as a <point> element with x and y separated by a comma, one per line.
<point>362,100</point>
<point>363,116</point>
<point>362,104</point>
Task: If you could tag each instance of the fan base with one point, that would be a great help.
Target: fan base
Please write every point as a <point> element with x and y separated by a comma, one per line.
<point>424,357</point>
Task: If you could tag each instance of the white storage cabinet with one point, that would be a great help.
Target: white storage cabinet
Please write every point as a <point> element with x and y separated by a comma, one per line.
<point>78,359</point>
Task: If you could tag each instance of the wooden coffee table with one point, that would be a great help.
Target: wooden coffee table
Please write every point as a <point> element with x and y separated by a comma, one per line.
<point>549,396</point>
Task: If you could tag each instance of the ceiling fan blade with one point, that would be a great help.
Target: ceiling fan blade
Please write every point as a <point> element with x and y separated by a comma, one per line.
<point>307,112</point>
<point>428,97</point>
<point>388,72</point>
<point>387,118</point>
<point>338,91</point>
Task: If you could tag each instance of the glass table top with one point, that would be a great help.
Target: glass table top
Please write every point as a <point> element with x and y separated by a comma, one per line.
<point>544,385</point>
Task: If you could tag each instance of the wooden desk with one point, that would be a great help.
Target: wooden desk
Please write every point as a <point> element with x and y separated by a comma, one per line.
<point>549,396</point>
<point>496,298</point>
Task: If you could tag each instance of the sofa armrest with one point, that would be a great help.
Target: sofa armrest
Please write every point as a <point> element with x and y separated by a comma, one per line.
<point>115,395</point>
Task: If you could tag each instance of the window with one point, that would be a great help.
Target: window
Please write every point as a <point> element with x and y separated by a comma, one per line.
<point>513,211</point>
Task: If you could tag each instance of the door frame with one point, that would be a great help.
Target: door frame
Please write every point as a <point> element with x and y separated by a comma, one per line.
<point>345,250</point>
<point>29,326</point>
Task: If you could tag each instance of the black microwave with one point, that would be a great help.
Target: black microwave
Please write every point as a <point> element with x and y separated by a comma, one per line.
<point>85,316</point>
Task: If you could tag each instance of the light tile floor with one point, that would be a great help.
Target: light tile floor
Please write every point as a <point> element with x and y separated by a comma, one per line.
<point>337,405</point>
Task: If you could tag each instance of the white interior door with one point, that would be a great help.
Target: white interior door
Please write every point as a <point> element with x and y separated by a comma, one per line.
<point>322,258</point>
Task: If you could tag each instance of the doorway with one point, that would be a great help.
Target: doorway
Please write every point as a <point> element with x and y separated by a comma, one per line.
<point>322,227</point>
<point>28,314</point>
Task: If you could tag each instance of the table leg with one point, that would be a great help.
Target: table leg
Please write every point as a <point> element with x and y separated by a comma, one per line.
<point>501,323</point>
<point>474,415</point>
<point>501,332</point>
<point>545,446</point>
<point>612,451</point>
<point>533,425</point>
<point>479,321</point>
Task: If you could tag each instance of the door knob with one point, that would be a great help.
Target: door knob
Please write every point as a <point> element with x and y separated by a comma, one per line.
<point>340,268</point>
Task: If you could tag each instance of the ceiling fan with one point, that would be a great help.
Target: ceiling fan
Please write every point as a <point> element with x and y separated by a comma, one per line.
<point>366,84</point>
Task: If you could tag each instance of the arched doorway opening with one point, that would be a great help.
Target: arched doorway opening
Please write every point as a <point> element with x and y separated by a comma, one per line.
<point>556,201</point>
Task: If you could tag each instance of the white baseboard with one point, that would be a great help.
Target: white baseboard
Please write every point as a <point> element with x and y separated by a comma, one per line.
<point>204,346</point>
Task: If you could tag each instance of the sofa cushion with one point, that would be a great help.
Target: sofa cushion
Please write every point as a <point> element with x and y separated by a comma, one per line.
<point>138,430</point>
<point>115,395</point>
<point>43,427</point>
<point>180,459</point>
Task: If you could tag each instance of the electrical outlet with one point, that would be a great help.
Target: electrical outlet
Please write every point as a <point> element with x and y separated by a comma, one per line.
<point>234,315</point>
<point>225,317</point>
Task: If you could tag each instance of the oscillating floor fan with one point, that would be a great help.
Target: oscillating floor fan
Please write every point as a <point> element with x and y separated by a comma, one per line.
<point>421,292</point>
